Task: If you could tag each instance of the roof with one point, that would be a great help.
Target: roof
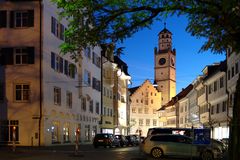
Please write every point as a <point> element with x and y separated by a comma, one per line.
<point>178,97</point>
<point>121,65</point>
<point>211,70</point>
<point>132,90</point>
<point>165,30</point>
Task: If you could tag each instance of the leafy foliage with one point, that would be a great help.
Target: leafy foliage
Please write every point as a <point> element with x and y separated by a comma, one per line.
<point>94,22</point>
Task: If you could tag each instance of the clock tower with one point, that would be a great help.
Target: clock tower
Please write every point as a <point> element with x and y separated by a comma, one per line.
<point>164,65</point>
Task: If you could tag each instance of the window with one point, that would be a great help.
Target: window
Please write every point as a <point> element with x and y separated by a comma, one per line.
<point>139,110</point>
<point>185,107</point>
<point>146,110</point>
<point>55,132</point>
<point>133,110</point>
<point>69,99</point>
<point>21,56</point>
<point>22,92</point>
<point>154,122</point>
<point>54,26</point>
<point>215,86</point>
<point>57,96</point>
<point>84,104</point>
<point>66,68</point>
<point>6,128</point>
<point>221,82</point>
<point>96,85</point>
<point>97,107</point>
<point>22,18</point>
<point>91,106</point>
<point>87,77</point>
<point>224,106</point>
<point>147,122</point>
<point>140,122</point>
<point>210,89</point>
<point>217,110</point>
<point>181,109</point>
<point>95,59</point>
<point>87,52</point>
<point>212,110</point>
<point>53,60</point>
<point>146,102</point>
<point>57,28</point>
<point>151,101</point>
<point>1,92</point>
<point>66,137</point>
<point>72,70</point>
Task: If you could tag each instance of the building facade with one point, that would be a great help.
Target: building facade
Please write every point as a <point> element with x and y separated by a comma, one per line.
<point>145,101</point>
<point>108,72</point>
<point>45,95</point>
<point>121,97</point>
<point>164,66</point>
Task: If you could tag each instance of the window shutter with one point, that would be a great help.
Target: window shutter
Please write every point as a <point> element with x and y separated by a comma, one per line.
<point>53,59</point>
<point>12,19</point>
<point>7,55</point>
<point>61,64</point>
<point>31,55</point>
<point>52,25</point>
<point>66,67</point>
<point>62,29</point>
<point>30,18</point>
<point>3,19</point>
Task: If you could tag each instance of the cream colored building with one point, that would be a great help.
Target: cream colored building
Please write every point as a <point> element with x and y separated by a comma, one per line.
<point>108,73</point>
<point>44,94</point>
<point>121,97</point>
<point>145,101</point>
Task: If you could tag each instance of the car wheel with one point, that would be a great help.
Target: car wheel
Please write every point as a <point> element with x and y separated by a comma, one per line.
<point>156,152</point>
<point>207,155</point>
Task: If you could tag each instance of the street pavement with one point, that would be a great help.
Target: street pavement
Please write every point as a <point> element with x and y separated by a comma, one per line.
<point>85,152</point>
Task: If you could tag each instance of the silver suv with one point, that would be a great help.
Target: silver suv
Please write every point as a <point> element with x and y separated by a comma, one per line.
<point>177,145</point>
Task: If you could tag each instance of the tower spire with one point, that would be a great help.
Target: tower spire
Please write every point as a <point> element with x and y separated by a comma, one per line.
<point>164,25</point>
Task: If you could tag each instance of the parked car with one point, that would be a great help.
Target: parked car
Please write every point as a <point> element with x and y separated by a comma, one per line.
<point>132,140</point>
<point>122,139</point>
<point>105,139</point>
<point>216,144</point>
<point>160,145</point>
<point>225,141</point>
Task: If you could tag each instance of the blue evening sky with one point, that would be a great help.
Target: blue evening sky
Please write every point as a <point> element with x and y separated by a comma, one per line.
<point>138,53</point>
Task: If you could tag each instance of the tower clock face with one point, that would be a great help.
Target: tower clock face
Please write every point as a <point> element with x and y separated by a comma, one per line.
<point>162,61</point>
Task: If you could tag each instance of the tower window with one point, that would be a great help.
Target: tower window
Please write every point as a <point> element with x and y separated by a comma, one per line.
<point>162,36</point>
